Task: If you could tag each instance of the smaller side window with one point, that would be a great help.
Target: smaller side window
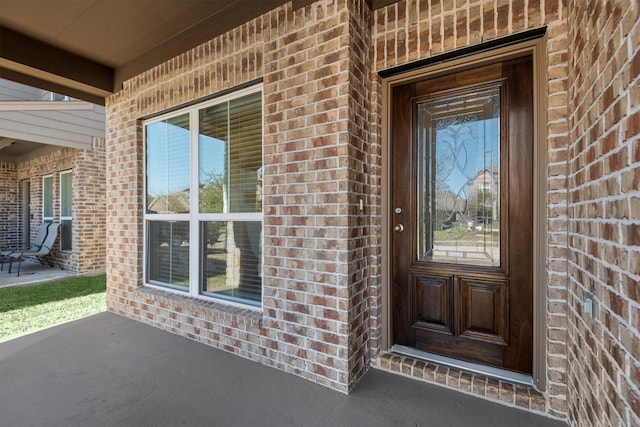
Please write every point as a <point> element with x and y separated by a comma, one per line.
<point>47,198</point>
<point>66,217</point>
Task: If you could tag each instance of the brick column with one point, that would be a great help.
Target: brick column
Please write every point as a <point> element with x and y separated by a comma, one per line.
<point>604,213</point>
<point>9,207</point>
<point>316,103</point>
<point>89,207</point>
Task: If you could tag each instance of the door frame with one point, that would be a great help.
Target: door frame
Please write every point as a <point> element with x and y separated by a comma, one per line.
<point>537,49</point>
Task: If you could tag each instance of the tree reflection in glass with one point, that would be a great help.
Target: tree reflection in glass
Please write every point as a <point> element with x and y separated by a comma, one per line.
<point>459,179</point>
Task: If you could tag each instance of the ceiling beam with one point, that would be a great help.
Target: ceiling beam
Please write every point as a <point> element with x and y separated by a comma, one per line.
<point>36,63</point>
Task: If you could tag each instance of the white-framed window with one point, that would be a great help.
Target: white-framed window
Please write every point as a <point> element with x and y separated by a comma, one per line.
<point>203,185</point>
<point>66,204</point>
<point>59,97</point>
<point>47,198</point>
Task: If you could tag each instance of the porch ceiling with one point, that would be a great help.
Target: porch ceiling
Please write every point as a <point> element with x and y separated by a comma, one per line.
<point>87,48</point>
<point>14,147</point>
<point>17,150</point>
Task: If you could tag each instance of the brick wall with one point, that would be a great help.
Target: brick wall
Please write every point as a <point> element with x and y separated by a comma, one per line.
<point>322,315</point>
<point>410,30</point>
<point>10,229</point>
<point>49,164</point>
<point>307,148</point>
<point>361,235</point>
<point>315,259</point>
<point>604,210</point>
<point>89,208</point>
<point>88,246</point>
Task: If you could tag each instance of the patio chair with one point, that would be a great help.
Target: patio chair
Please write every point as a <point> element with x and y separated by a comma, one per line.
<point>44,250</point>
<point>33,247</point>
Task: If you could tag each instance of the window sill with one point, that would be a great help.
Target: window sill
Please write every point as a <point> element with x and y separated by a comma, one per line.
<point>246,311</point>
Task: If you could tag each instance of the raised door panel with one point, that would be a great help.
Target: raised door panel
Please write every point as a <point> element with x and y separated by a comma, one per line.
<point>484,310</point>
<point>434,298</point>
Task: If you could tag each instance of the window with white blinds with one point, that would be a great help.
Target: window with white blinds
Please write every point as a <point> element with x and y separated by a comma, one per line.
<point>203,233</point>
<point>168,164</point>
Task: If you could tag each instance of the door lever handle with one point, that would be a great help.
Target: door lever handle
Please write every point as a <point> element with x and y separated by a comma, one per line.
<point>398,228</point>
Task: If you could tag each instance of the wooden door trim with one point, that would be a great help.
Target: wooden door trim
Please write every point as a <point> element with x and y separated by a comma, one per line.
<point>537,49</point>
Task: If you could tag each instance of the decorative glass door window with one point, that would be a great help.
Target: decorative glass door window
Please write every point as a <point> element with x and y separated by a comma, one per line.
<point>459,179</point>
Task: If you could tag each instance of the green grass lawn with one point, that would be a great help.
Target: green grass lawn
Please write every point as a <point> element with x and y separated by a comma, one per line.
<point>26,309</point>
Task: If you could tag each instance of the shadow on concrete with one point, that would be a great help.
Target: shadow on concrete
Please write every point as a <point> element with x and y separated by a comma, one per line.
<point>111,371</point>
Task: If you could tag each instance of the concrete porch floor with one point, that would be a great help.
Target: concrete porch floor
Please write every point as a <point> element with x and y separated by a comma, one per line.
<point>30,273</point>
<point>112,371</point>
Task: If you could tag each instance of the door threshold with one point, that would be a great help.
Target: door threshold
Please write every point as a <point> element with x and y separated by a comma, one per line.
<point>474,368</point>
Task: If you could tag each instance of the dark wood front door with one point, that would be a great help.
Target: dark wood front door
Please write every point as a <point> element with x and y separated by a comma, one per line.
<point>462,213</point>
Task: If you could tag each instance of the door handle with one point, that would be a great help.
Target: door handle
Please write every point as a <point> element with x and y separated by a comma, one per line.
<point>398,228</point>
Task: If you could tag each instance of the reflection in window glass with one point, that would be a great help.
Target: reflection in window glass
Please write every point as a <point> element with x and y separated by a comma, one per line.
<point>221,155</point>
<point>230,151</point>
<point>231,259</point>
<point>47,198</point>
<point>168,165</point>
<point>459,179</point>
<point>66,218</point>
<point>168,253</point>
<point>245,154</point>
<point>213,155</point>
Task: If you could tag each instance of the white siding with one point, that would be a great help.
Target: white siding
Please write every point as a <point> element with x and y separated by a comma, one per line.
<point>66,124</point>
<point>11,91</point>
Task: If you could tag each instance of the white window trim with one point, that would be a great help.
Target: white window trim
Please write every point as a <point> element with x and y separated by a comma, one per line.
<point>194,216</point>
<point>47,218</point>
<point>68,217</point>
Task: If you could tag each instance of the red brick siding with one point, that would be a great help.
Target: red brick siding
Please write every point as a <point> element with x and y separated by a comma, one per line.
<point>10,230</point>
<point>89,208</point>
<point>360,230</point>
<point>604,209</point>
<point>88,246</point>
<point>322,155</point>
<point>49,164</point>
<point>313,145</point>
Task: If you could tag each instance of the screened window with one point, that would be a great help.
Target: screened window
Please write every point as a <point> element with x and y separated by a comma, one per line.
<point>66,217</point>
<point>47,198</point>
<point>204,199</point>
